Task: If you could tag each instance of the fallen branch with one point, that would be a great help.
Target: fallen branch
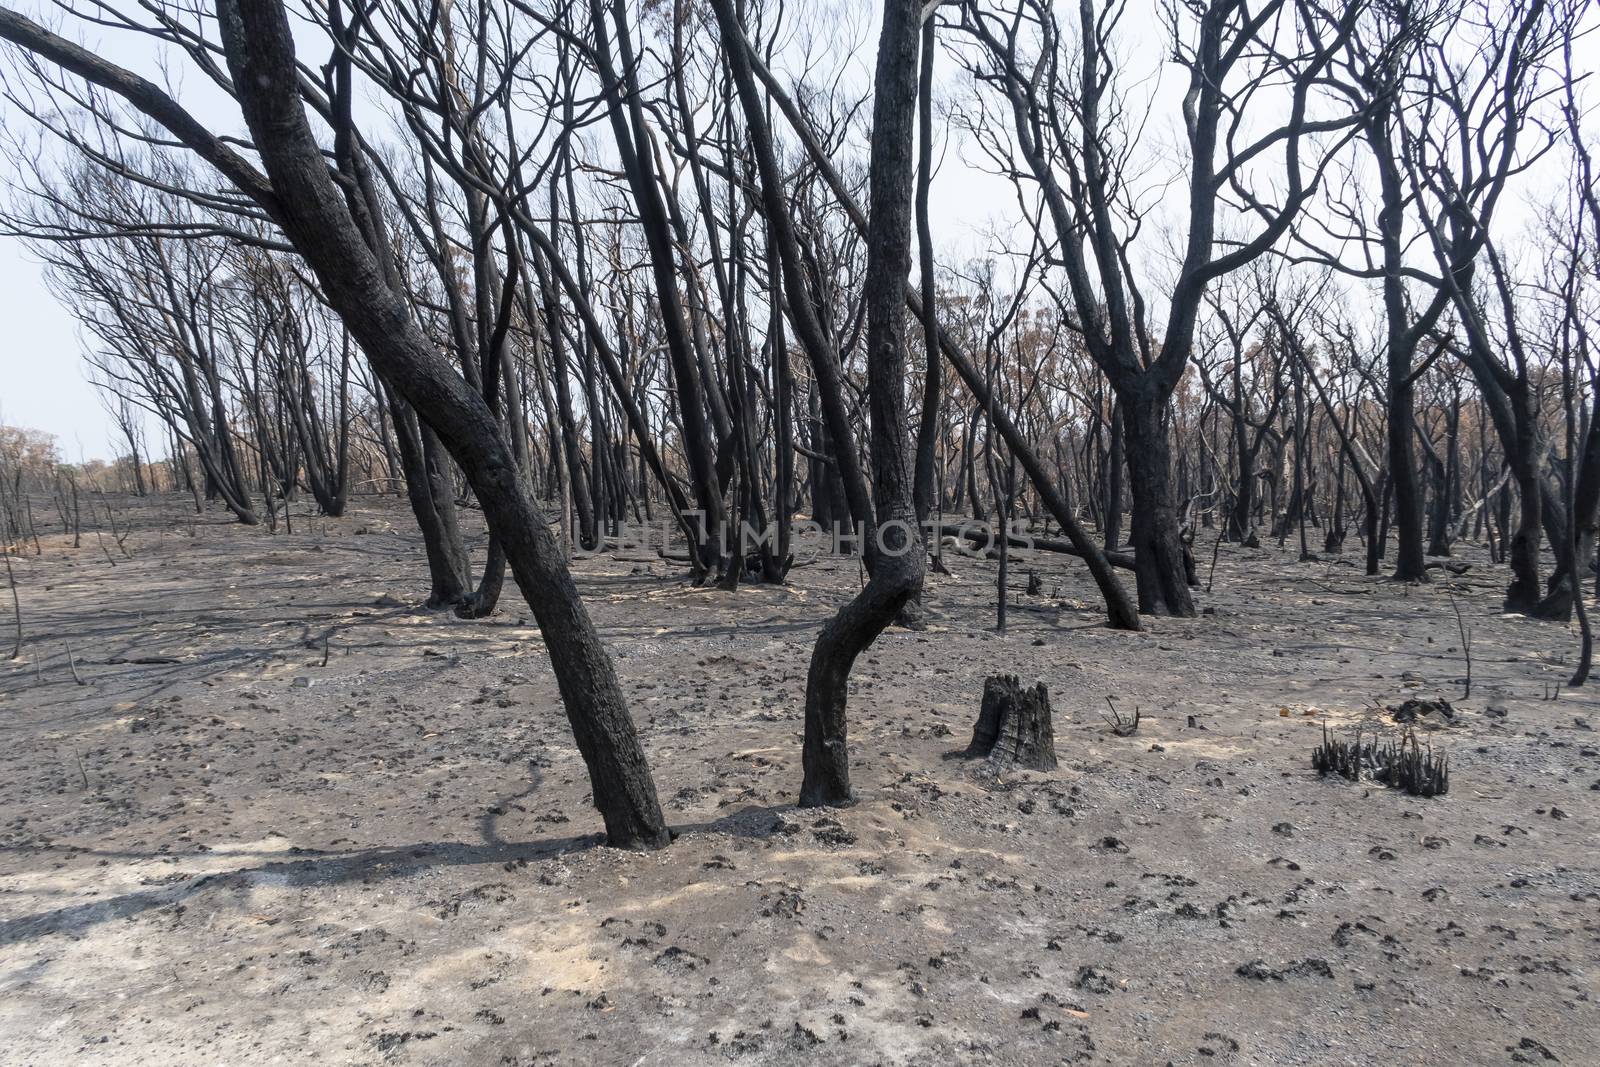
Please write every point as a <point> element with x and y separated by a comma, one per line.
<point>988,538</point>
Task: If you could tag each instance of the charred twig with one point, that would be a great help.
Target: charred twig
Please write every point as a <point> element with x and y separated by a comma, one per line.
<point>100,539</point>
<point>1466,646</point>
<point>1338,757</point>
<point>1404,765</point>
<point>1122,727</point>
<point>118,535</point>
<point>1216,550</point>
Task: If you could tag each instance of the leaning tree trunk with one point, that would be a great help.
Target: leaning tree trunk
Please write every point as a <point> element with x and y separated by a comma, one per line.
<point>447,576</point>
<point>481,602</point>
<point>837,475</point>
<point>1576,549</point>
<point>307,205</point>
<point>626,113</point>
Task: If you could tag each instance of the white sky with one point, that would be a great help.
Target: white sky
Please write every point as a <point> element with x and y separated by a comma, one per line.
<point>42,372</point>
<point>42,383</point>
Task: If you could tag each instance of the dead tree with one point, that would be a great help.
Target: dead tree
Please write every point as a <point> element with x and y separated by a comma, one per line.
<point>1065,124</point>
<point>897,571</point>
<point>1120,610</point>
<point>300,195</point>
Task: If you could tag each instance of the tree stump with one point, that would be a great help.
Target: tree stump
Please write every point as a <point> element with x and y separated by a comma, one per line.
<point>1014,725</point>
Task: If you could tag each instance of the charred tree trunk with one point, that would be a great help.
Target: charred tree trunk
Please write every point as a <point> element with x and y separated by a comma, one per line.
<point>1158,552</point>
<point>1115,461</point>
<point>928,427</point>
<point>303,199</point>
<point>632,138</point>
<point>448,580</point>
<point>898,563</point>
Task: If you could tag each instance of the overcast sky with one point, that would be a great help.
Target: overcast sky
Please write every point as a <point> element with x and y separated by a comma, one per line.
<point>42,372</point>
<point>42,382</point>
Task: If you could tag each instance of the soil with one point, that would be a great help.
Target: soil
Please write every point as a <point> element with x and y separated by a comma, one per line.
<point>268,810</point>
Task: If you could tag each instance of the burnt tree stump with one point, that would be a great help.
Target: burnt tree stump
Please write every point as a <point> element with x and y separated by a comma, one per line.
<point>1014,725</point>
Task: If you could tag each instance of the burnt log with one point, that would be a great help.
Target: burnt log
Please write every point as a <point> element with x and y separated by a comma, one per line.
<point>1014,727</point>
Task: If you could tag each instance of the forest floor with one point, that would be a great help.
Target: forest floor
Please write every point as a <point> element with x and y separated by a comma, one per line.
<point>281,815</point>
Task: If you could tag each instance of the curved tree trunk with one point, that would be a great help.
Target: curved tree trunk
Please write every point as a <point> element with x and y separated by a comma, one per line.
<point>448,582</point>
<point>898,557</point>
